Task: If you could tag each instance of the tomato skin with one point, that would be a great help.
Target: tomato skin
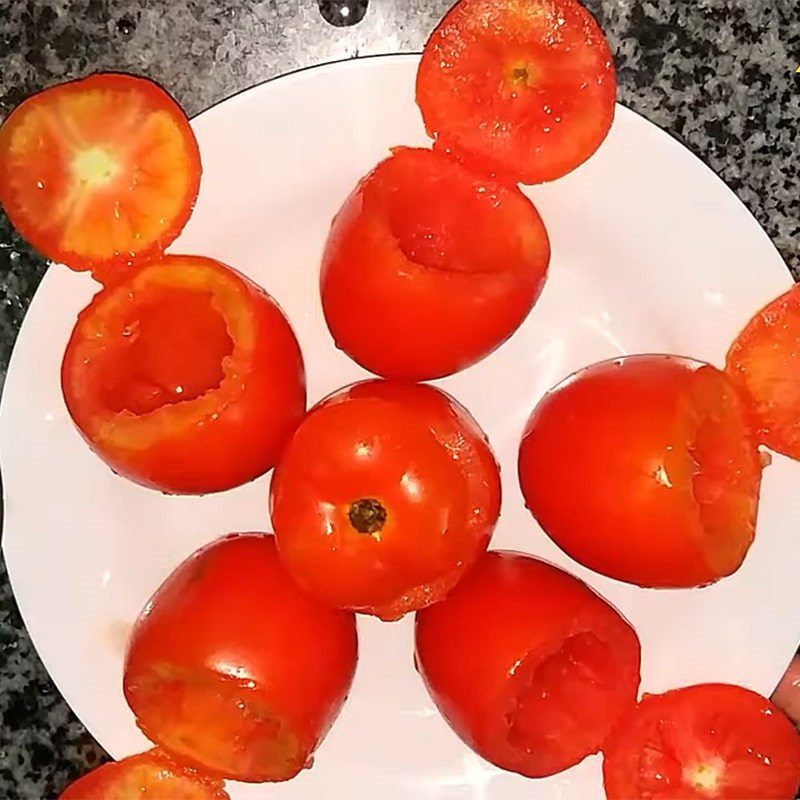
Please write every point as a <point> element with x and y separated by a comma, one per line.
<point>152,773</point>
<point>645,469</point>
<point>491,642</point>
<point>763,361</point>
<point>226,436</point>
<point>416,453</point>
<point>523,89</point>
<point>429,267</point>
<point>54,148</point>
<point>229,630</point>
<point>706,741</point>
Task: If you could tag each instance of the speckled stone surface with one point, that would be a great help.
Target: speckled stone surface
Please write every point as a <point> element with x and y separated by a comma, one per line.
<point>719,74</point>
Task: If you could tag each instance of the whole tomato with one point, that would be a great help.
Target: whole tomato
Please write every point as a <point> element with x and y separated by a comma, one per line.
<point>528,665</point>
<point>233,669</point>
<point>386,494</point>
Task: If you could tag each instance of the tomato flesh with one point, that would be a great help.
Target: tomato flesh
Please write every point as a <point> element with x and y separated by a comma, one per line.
<point>185,377</point>
<point>151,774</point>
<point>528,666</point>
<point>521,88</point>
<point>764,361</point>
<point>429,267</point>
<point>99,172</point>
<point>705,742</point>
<point>385,495</point>
<point>670,471</point>
<point>233,669</point>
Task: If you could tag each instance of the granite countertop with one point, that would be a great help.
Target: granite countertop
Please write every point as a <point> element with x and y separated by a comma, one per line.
<point>718,74</point>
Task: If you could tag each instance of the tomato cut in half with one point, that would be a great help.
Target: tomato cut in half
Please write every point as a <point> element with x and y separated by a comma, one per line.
<point>99,172</point>
<point>765,361</point>
<point>645,469</point>
<point>429,267</point>
<point>384,497</point>
<point>521,88</point>
<point>705,742</point>
<point>233,669</point>
<point>185,377</point>
<point>151,774</point>
<point>527,664</point>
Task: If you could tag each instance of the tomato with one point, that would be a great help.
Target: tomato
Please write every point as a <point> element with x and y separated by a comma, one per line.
<point>707,742</point>
<point>527,664</point>
<point>429,267</point>
<point>763,360</point>
<point>233,669</point>
<point>645,469</point>
<point>99,172</point>
<point>149,774</point>
<point>186,377</point>
<point>523,88</point>
<point>385,495</point>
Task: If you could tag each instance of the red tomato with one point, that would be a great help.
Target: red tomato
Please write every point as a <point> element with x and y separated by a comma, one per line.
<point>524,88</point>
<point>708,742</point>
<point>151,774</point>
<point>429,267</point>
<point>235,670</point>
<point>186,377</point>
<point>385,495</point>
<point>527,664</point>
<point>98,172</point>
<point>765,361</point>
<point>645,469</point>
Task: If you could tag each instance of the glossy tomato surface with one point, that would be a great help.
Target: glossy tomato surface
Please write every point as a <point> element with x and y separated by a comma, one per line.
<point>99,172</point>
<point>765,361</point>
<point>235,670</point>
<point>386,494</point>
<point>706,742</point>
<point>186,377</point>
<point>523,88</point>
<point>429,266</point>
<point>527,664</point>
<point>645,469</point>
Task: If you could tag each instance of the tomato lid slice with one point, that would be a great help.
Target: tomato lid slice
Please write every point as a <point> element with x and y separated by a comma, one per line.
<point>99,171</point>
<point>521,88</point>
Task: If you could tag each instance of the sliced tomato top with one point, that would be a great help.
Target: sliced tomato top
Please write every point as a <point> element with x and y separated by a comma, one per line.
<point>100,171</point>
<point>523,88</point>
<point>151,774</point>
<point>706,742</point>
<point>765,361</point>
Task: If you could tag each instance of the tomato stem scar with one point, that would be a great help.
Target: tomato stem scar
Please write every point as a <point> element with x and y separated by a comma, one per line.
<point>367,515</point>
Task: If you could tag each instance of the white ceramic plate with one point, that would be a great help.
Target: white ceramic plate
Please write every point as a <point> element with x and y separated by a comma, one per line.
<point>651,252</point>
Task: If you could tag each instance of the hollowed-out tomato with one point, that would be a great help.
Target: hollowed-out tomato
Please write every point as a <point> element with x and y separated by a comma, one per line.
<point>646,469</point>
<point>385,496</point>
<point>99,172</point>
<point>706,742</point>
<point>429,267</point>
<point>149,775</point>
<point>527,664</point>
<point>233,669</point>
<point>522,88</point>
<point>185,377</point>
<point>765,361</point>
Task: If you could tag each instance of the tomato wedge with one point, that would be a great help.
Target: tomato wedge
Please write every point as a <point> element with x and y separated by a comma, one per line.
<point>765,361</point>
<point>430,266</point>
<point>527,664</point>
<point>705,742</point>
<point>185,377</point>
<point>152,774</point>
<point>522,88</point>
<point>645,469</point>
<point>235,670</point>
<point>99,172</point>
